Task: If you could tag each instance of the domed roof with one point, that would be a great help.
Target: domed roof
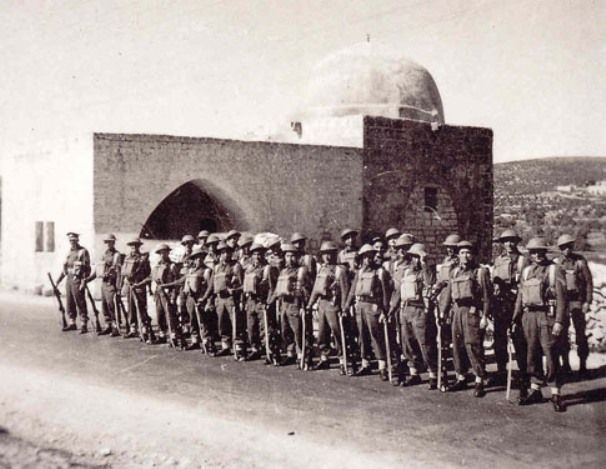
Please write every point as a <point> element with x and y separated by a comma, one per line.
<point>368,80</point>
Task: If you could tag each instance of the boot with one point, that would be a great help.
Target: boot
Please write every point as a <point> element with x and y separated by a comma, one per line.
<point>288,360</point>
<point>523,395</point>
<point>459,385</point>
<point>223,352</point>
<point>383,376</point>
<point>70,327</point>
<point>535,397</point>
<point>131,334</point>
<point>106,331</point>
<point>342,370</point>
<point>322,365</point>
<point>115,331</point>
<point>193,346</point>
<point>479,390</point>
<point>254,354</point>
<point>583,373</point>
<point>414,380</point>
<point>558,405</point>
<point>151,338</point>
<point>363,371</point>
<point>433,383</point>
<point>84,329</point>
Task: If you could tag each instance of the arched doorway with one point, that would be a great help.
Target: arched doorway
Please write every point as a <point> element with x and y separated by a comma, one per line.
<point>193,206</point>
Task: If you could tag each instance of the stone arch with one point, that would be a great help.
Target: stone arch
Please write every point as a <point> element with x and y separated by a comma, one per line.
<point>193,206</point>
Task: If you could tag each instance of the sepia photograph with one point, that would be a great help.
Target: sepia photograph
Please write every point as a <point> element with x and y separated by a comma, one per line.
<point>302,234</point>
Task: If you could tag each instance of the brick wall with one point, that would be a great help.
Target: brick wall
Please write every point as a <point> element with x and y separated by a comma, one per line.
<point>402,157</point>
<point>264,186</point>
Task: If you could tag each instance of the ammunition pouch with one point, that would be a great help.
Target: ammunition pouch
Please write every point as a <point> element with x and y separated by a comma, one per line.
<point>462,287</point>
<point>366,284</point>
<point>532,293</point>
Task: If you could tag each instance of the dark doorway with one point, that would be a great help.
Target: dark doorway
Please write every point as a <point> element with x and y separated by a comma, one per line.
<point>187,210</point>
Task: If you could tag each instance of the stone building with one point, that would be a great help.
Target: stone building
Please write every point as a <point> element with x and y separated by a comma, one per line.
<point>370,149</point>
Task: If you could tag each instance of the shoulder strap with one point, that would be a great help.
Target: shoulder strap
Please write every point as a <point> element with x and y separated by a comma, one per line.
<point>552,271</point>
<point>520,263</point>
<point>526,273</point>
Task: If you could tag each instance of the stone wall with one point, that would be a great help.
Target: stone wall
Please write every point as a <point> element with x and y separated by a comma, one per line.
<point>263,186</point>
<point>402,158</point>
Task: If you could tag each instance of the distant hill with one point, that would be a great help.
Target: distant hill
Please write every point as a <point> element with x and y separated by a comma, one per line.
<point>540,175</point>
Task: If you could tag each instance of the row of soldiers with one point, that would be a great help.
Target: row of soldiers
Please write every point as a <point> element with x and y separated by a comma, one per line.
<point>383,301</point>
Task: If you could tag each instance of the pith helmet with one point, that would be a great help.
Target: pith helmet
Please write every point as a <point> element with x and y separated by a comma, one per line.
<point>464,244</point>
<point>196,253</point>
<point>187,239</point>
<point>232,233</point>
<point>376,239</point>
<point>212,239</point>
<point>71,235</point>
<point>328,246</point>
<point>366,249</point>
<point>203,234</point>
<point>404,240</point>
<point>162,247</point>
<point>508,234</point>
<point>256,247</point>
<point>538,243</point>
<point>222,246</point>
<point>297,237</point>
<point>452,240</point>
<point>565,239</point>
<point>134,242</point>
<point>417,249</point>
<point>287,247</point>
<point>391,232</point>
<point>275,243</point>
<point>109,237</point>
<point>348,232</point>
<point>245,240</point>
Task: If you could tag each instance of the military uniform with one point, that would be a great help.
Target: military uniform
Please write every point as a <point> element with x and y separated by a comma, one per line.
<point>468,293</point>
<point>135,273</point>
<point>371,292</point>
<point>183,263</point>
<point>540,305</point>
<point>579,292</point>
<point>329,290</point>
<point>108,270</point>
<point>76,269</point>
<point>226,278</point>
<point>417,322</point>
<point>165,272</point>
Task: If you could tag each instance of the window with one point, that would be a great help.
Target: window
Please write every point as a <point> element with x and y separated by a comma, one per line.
<point>50,236</point>
<point>431,199</point>
<point>39,236</point>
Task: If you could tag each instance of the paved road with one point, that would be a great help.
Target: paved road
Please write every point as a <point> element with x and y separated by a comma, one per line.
<point>362,419</point>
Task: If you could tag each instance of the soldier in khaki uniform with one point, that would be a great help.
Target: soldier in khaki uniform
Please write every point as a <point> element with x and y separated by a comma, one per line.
<point>371,292</point>
<point>76,269</point>
<point>164,274</point>
<point>348,255</point>
<point>108,270</point>
<point>225,281</point>
<point>182,265</point>
<point>541,313</point>
<point>256,290</point>
<point>308,261</point>
<point>244,256</point>
<point>579,295</point>
<point>391,235</point>
<point>468,293</point>
<point>329,290</point>
<point>417,321</point>
<point>231,240</point>
<point>292,292</point>
<point>135,275</point>
<point>202,237</point>
<point>506,273</point>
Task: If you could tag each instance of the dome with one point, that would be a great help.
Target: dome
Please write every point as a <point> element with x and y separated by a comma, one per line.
<point>367,80</point>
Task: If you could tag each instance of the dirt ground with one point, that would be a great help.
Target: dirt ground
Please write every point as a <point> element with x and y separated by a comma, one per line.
<point>70,400</point>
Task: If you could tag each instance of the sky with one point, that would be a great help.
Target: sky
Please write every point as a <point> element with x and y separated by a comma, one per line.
<point>533,71</point>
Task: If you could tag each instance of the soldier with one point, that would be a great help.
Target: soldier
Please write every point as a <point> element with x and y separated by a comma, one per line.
<point>540,311</point>
<point>202,237</point>
<point>108,270</point>
<point>76,269</point>
<point>506,273</point>
<point>164,274</point>
<point>391,235</point>
<point>182,265</point>
<point>469,294</point>
<point>379,246</point>
<point>329,290</point>
<point>231,240</point>
<point>194,280</point>
<point>256,289</point>
<point>371,292</point>
<point>579,295</point>
<point>225,281</point>
<point>348,255</point>
<point>417,323</point>
<point>308,261</point>
<point>135,274</point>
<point>210,247</point>
<point>292,293</point>
<point>244,257</point>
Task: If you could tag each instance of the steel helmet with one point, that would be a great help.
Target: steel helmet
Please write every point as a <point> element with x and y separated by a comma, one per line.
<point>537,243</point>
<point>508,234</point>
<point>162,247</point>
<point>348,232</point>
<point>404,240</point>
<point>297,237</point>
<point>187,239</point>
<point>328,246</point>
<point>565,239</point>
<point>452,240</point>
<point>417,249</point>
<point>245,240</point>
<point>391,232</point>
<point>366,249</point>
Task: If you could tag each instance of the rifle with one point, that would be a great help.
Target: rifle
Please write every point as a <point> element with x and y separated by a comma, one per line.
<point>442,351</point>
<point>95,310</point>
<point>58,296</point>
<point>304,338</point>
<point>509,364</point>
<point>120,311</point>
<point>265,322</point>
<point>343,341</point>
<point>133,300</point>
<point>168,312</point>
<point>234,332</point>
<point>387,348</point>
<point>199,308</point>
